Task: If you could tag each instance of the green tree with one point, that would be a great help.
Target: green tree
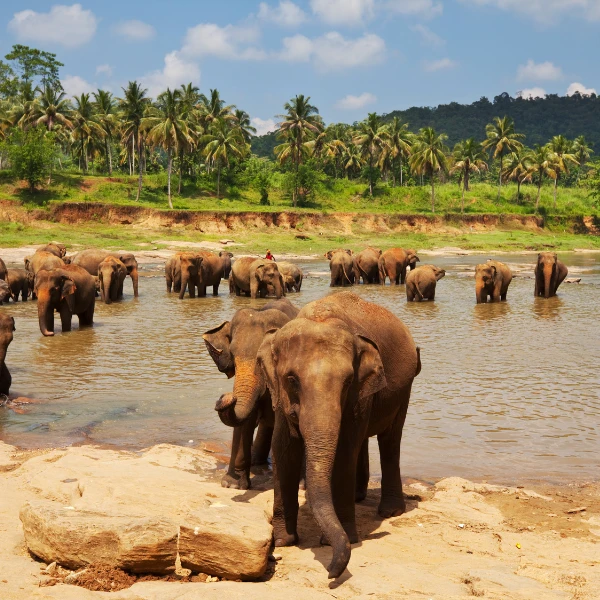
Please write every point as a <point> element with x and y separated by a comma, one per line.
<point>31,155</point>
<point>105,107</point>
<point>541,163</point>
<point>242,120</point>
<point>87,132</point>
<point>34,66</point>
<point>502,139</point>
<point>468,157</point>
<point>371,137</point>
<point>517,168</point>
<point>398,146</point>
<point>352,159</point>
<point>51,107</point>
<point>428,156</point>
<point>213,108</point>
<point>563,156</point>
<point>582,151</point>
<point>189,100</point>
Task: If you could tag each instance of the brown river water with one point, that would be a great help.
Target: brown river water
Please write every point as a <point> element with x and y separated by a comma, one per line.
<point>508,392</point>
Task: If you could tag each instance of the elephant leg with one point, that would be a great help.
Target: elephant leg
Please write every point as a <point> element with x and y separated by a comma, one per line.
<point>65,316</point>
<point>86,319</point>
<point>402,275</point>
<point>216,288</point>
<point>169,280</point>
<point>362,472</point>
<point>288,453</point>
<point>230,479</point>
<point>262,443</point>
<point>5,379</point>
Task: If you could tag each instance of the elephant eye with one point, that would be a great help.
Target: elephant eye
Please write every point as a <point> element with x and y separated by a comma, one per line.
<point>294,383</point>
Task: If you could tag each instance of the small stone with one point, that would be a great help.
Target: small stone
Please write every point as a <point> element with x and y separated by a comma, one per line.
<point>51,569</point>
<point>72,578</point>
<point>574,511</point>
<point>275,557</point>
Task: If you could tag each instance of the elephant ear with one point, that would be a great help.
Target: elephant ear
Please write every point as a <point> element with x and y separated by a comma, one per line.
<point>218,344</point>
<point>265,365</point>
<point>328,255</point>
<point>259,271</point>
<point>68,288</point>
<point>494,272</point>
<point>198,260</point>
<point>371,375</point>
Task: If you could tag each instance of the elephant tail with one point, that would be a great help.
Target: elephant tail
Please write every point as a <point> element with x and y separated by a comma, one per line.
<point>419,293</point>
<point>346,274</point>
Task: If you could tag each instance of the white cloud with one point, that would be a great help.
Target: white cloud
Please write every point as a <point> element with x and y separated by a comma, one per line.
<point>69,26</point>
<point>286,14</point>
<point>351,102</point>
<point>343,12</point>
<point>333,52</point>
<point>75,86</point>
<point>545,71</point>
<point>263,126</point>
<point>439,65</point>
<point>230,42</point>
<point>530,93</point>
<point>176,71</point>
<point>428,37</point>
<point>104,70</point>
<point>579,87</point>
<point>135,31</point>
<point>546,11</point>
<point>420,8</point>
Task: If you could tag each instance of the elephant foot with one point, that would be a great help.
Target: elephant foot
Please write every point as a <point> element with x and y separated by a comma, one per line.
<point>391,508</point>
<point>360,495</point>
<point>239,481</point>
<point>287,539</point>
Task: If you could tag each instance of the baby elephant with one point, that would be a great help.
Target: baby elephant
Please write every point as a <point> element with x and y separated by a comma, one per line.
<point>20,282</point>
<point>492,280</point>
<point>421,282</point>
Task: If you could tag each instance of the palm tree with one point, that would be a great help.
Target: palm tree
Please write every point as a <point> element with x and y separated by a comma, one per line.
<point>299,124</point>
<point>133,106</point>
<point>168,128</point>
<point>106,112</point>
<point>399,142</point>
<point>562,149</point>
<point>221,143</point>
<point>541,163</point>
<point>51,107</point>
<point>243,122</point>
<point>516,168</point>
<point>352,159</point>
<point>502,139</point>
<point>213,108</point>
<point>371,138</point>
<point>469,157</point>
<point>18,109</point>
<point>582,152</point>
<point>86,128</point>
<point>189,99</point>
<point>429,156</point>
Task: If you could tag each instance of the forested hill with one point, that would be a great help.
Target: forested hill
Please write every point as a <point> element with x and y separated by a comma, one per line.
<point>538,119</point>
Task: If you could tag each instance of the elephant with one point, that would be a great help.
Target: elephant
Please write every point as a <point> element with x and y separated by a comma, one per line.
<point>292,276</point>
<point>55,248</point>
<point>42,260</point>
<point>549,274</point>
<point>111,275</point>
<point>492,279</point>
<point>91,259</point>
<point>339,373</point>
<point>212,271</point>
<point>393,263</point>
<point>184,270</point>
<point>342,268</point>
<point>20,282</point>
<point>7,326</point>
<point>233,346</point>
<point>70,291</point>
<point>420,283</point>
<point>256,276</point>
<point>3,269</point>
<point>226,256</point>
<point>367,263</point>
<point>5,291</point>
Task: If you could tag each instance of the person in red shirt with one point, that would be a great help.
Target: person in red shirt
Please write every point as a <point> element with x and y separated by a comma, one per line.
<point>269,256</point>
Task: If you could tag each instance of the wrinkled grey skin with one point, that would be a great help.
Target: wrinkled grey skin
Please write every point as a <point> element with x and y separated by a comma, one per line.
<point>20,282</point>
<point>549,274</point>
<point>7,326</point>
<point>233,346</point>
<point>184,271</point>
<point>421,283</point>
<point>5,293</point>
<point>257,277</point>
<point>492,280</point>
<point>91,259</point>
<point>226,257</point>
<point>342,268</point>
<point>367,263</point>
<point>394,263</point>
<point>292,276</point>
<point>42,260</point>
<point>111,275</point>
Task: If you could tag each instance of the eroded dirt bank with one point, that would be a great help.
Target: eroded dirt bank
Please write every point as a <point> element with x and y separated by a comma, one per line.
<point>457,540</point>
<point>223,222</point>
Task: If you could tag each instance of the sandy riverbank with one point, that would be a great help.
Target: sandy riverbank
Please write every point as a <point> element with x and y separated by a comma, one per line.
<point>457,540</point>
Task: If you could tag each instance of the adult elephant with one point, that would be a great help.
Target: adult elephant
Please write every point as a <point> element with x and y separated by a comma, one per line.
<point>90,260</point>
<point>233,346</point>
<point>183,271</point>
<point>111,275</point>
<point>367,263</point>
<point>257,277</point>
<point>69,291</point>
<point>492,280</point>
<point>7,326</point>
<point>549,274</point>
<point>393,263</point>
<point>341,267</point>
<point>212,271</point>
<point>42,260</point>
<point>421,283</point>
<point>339,373</point>
<point>5,292</point>
<point>20,282</point>
<point>292,276</point>
<point>3,270</point>
<point>226,258</point>
<point>55,248</point>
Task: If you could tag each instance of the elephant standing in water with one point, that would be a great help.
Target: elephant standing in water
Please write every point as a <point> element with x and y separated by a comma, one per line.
<point>70,291</point>
<point>421,283</point>
<point>5,291</point>
<point>292,276</point>
<point>492,279</point>
<point>226,258</point>
<point>7,326</point>
<point>342,267</point>
<point>20,282</point>
<point>233,346</point>
<point>90,260</point>
<point>111,275</point>
<point>212,271</point>
<point>367,263</point>
<point>393,263</point>
<point>549,274</point>
<point>183,270</point>
<point>258,277</point>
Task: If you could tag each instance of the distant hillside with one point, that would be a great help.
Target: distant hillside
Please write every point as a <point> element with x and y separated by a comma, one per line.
<point>538,119</point>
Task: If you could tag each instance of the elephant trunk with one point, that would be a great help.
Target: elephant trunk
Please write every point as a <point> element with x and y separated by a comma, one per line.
<point>184,282</point>
<point>321,440</point>
<point>106,285</point>
<point>235,408</point>
<point>480,292</point>
<point>134,278</point>
<point>549,271</point>
<point>278,288</point>
<point>45,314</point>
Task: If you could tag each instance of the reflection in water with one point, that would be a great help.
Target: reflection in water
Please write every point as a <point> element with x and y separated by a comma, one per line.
<point>508,390</point>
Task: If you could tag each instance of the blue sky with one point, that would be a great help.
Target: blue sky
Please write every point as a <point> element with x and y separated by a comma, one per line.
<point>350,56</point>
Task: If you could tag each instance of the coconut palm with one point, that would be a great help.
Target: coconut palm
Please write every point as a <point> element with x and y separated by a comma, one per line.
<point>582,152</point>
<point>51,107</point>
<point>87,130</point>
<point>399,142</point>
<point>428,156</point>
<point>105,107</point>
<point>516,168</point>
<point>212,108</point>
<point>468,157</point>
<point>371,137</point>
<point>352,159</point>
<point>563,156</point>
<point>133,106</point>
<point>189,100</point>
<point>502,139</point>
<point>541,163</point>
<point>242,119</point>
<point>167,127</point>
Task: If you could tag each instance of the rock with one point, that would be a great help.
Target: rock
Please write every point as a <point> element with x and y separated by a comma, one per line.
<point>77,538</point>
<point>573,280</point>
<point>51,569</point>
<point>72,577</point>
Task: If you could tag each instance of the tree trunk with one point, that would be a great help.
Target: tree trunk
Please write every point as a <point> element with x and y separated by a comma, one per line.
<point>140,165</point>
<point>219,180</point>
<point>462,204</point>
<point>500,176</point>
<point>518,191</point>
<point>555,189</point>
<point>537,200</point>
<point>432,193</point>
<point>401,175</point>
<point>180,171</point>
<point>109,156</point>
<point>169,169</point>
<point>371,174</point>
